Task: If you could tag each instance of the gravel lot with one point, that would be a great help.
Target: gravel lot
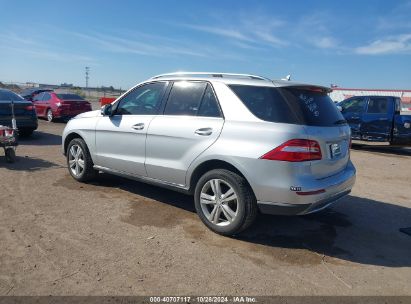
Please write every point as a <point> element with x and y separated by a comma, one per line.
<point>120,237</point>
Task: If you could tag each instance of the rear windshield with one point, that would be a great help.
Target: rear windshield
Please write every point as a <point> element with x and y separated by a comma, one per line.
<point>290,105</point>
<point>8,96</point>
<point>69,97</point>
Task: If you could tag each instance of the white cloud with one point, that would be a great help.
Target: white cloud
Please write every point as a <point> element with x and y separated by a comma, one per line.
<point>36,48</point>
<point>229,33</point>
<point>325,42</point>
<point>399,44</point>
<point>249,33</point>
<point>116,44</point>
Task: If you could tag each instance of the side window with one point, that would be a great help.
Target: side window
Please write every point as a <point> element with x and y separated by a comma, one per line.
<point>377,105</point>
<point>355,105</point>
<point>46,97</point>
<point>209,105</point>
<point>144,100</point>
<point>185,98</point>
<point>38,97</point>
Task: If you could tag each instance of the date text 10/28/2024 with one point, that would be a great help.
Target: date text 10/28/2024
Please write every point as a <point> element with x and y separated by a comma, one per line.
<point>205,299</point>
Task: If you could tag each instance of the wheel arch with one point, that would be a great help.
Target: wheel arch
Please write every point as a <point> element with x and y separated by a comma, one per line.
<point>68,139</point>
<point>209,165</point>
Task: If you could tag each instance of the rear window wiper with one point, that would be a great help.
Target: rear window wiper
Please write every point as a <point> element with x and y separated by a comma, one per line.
<point>340,122</point>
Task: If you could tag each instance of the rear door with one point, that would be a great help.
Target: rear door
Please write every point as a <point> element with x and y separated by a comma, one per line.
<point>121,138</point>
<point>377,120</point>
<point>192,122</point>
<point>353,110</point>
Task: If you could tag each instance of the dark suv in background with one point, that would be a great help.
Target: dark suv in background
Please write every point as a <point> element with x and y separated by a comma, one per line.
<point>24,112</point>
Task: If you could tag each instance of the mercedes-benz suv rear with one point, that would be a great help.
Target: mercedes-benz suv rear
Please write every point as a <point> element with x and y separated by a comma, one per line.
<point>239,143</point>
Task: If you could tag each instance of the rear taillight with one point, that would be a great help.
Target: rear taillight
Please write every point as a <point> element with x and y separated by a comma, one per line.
<point>7,132</point>
<point>295,150</point>
<point>29,108</point>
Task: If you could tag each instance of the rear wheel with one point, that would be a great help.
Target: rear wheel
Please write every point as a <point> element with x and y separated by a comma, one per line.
<point>50,116</point>
<point>26,132</point>
<point>79,161</point>
<point>10,155</point>
<point>225,202</point>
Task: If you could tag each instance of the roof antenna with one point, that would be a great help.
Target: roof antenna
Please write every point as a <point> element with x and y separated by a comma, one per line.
<point>287,78</point>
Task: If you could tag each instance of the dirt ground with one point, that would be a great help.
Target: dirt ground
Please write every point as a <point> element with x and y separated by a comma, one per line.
<point>120,237</point>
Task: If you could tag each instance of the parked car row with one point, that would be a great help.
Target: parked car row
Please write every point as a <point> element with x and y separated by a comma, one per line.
<point>37,102</point>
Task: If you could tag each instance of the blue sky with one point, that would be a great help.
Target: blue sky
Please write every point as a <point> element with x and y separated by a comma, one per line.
<point>350,43</point>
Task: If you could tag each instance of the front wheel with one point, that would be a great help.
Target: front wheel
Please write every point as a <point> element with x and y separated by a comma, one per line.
<point>225,202</point>
<point>79,161</point>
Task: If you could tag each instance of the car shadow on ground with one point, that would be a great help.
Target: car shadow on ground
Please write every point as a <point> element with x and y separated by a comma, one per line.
<point>28,164</point>
<point>40,138</point>
<point>355,229</point>
<point>393,150</point>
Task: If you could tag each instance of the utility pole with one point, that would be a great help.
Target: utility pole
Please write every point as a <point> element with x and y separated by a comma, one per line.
<point>87,76</point>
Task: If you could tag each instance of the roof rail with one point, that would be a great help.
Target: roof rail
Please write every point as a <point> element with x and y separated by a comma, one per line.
<point>209,74</point>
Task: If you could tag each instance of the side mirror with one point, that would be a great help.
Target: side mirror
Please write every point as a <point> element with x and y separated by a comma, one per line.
<point>107,110</point>
<point>340,108</point>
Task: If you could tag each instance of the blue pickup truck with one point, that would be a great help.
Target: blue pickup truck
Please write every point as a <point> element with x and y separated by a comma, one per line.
<point>378,119</point>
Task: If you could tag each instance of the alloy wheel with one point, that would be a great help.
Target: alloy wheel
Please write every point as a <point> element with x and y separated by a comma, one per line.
<point>219,202</point>
<point>76,160</point>
<point>49,115</point>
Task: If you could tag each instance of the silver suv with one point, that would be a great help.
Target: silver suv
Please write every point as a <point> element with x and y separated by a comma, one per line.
<point>239,143</point>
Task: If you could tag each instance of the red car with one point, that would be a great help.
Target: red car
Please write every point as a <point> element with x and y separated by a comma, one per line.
<point>51,105</point>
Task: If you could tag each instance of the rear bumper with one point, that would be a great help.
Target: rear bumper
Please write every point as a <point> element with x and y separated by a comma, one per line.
<point>335,188</point>
<point>299,209</point>
<point>29,122</point>
<point>67,114</point>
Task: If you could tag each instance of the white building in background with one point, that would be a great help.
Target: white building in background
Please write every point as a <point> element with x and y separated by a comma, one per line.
<point>339,94</point>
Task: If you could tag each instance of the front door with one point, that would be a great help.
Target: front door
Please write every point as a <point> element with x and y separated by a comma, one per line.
<point>353,109</point>
<point>377,120</point>
<point>38,104</point>
<point>191,123</point>
<point>121,138</point>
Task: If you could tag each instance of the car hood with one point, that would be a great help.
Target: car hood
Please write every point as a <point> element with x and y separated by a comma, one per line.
<point>89,114</point>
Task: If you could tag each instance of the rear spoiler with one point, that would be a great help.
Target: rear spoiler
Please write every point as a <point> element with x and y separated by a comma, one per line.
<point>302,86</point>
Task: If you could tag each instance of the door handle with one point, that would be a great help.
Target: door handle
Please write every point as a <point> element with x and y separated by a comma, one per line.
<point>204,131</point>
<point>139,126</point>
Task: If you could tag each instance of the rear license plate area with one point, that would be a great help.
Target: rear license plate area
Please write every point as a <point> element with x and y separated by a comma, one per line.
<point>335,150</point>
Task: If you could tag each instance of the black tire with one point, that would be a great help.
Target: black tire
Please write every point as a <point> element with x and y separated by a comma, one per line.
<point>10,155</point>
<point>88,173</point>
<point>25,132</point>
<point>246,202</point>
<point>49,115</point>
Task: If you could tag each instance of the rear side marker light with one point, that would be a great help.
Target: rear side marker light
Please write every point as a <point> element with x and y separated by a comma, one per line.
<point>29,108</point>
<point>295,150</point>
<point>311,192</point>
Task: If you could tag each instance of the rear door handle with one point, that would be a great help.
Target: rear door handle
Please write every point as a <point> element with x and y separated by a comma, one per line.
<point>204,131</point>
<point>139,126</point>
